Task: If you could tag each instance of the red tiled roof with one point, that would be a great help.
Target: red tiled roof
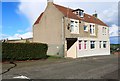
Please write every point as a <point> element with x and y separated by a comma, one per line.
<point>92,19</point>
<point>88,18</point>
<point>37,21</point>
<point>68,13</point>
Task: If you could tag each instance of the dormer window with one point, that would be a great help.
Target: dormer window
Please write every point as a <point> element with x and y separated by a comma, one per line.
<point>79,12</point>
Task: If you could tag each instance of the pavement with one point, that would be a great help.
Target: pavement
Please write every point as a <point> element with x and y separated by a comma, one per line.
<point>101,67</point>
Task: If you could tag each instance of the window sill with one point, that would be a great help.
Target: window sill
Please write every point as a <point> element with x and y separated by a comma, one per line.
<point>75,33</point>
<point>92,34</point>
<point>85,30</point>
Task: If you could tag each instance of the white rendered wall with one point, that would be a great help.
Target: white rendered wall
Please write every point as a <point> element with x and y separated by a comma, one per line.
<point>92,52</point>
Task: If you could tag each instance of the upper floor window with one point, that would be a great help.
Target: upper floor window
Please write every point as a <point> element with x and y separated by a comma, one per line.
<point>81,14</point>
<point>85,28</point>
<point>92,29</point>
<point>74,26</point>
<point>72,22</point>
<point>104,30</point>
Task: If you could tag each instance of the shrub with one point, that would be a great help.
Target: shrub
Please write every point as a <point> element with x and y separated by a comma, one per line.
<point>23,51</point>
<point>115,48</point>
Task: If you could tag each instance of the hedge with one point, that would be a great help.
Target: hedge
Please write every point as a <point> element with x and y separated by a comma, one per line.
<point>23,51</point>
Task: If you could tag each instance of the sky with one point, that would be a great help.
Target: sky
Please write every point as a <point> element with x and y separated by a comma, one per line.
<point>18,16</point>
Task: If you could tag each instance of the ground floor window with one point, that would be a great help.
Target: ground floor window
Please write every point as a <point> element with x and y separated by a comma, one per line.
<point>80,44</point>
<point>100,43</point>
<point>104,44</point>
<point>85,44</point>
<point>92,44</point>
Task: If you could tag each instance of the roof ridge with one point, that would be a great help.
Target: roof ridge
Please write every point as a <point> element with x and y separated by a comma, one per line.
<point>86,17</point>
<point>63,6</point>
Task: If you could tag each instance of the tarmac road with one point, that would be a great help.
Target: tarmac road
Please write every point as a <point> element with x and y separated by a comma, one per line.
<point>102,67</point>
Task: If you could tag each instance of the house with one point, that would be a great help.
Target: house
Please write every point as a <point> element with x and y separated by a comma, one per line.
<point>27,40</point>
<point>71,32</point>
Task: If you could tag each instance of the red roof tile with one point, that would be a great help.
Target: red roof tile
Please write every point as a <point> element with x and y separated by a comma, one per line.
<point>88,18</point>
<point>37,21</point>
<point>69,13</point>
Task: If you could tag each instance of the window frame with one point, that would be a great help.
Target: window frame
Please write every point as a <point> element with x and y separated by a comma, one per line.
<point>100,44</point>
<point>104,44</point>
<point>85,44</point>
<point>86,28</point>
<point>80,44</point>
<point>92,29</point>
<point>92,44</point>
<point>74,26</point>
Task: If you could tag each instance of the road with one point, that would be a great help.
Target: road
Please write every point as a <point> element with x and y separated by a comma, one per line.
<point>102,67</point>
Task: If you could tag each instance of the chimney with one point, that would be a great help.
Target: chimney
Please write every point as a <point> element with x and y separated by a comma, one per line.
<point>95,15</point>
<point>50,2</point>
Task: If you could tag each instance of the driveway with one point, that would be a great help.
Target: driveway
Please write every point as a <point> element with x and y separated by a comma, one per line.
<point>102,67</point>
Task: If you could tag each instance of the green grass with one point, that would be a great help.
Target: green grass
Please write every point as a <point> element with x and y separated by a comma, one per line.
<point>53,57</point>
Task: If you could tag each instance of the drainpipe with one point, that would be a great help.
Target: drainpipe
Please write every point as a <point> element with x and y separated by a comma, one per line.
<point>63,35</point>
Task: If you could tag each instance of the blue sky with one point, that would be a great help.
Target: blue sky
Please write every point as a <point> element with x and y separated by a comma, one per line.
<point>18,17</point>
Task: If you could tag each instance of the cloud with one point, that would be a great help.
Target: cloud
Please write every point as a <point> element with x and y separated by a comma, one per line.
<point>110,16</point>
<point>114,30</point>
<point>18,36</point>
<point>31,9</point>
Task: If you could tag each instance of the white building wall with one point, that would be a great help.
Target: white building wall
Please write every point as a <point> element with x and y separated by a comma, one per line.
<point>92,52</point>
<point>102,36</point>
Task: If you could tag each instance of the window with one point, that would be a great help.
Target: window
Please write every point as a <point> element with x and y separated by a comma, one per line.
<point>72,22</point>
<point>92,46</point>
<point>80,45</point>
<point>74,26</point>
<point>76,22</point>
<point>77,13</point>
<point>92,29</point>
<point>104,44</point>
<point>104,30</point>
<point>81,14</point>
<point>100,44</point>
<point>85,44</point>
<point>85,28</point>
<point>71,28</point>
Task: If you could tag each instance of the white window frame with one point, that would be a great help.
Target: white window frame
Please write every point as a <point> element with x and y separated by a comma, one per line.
<point>92,42</point>
<point>100,44</point>
<point>104,30</point>
<point>80,44</point>
<point>105,42</point>
<point>92,28</point>
<point>85,43</point>
<point>75,24</point>
<point>86,28</point>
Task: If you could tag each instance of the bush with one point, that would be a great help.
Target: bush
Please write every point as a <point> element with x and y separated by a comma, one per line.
<point>115,48</point>
<point>23,51</point>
